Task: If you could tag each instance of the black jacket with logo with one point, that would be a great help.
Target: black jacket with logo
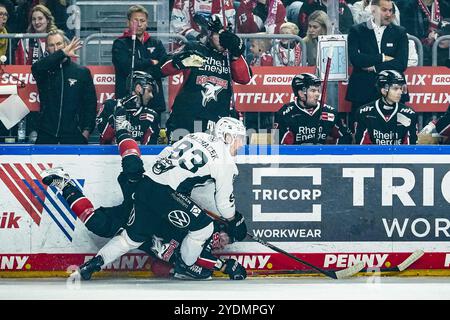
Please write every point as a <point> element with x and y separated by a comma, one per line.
<point>145,53</point>
<point>68,102</point>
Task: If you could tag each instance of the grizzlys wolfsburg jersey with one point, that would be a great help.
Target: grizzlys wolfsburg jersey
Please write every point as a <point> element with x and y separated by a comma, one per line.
<point>373,126</point>
<point>304,126</point>
<point>197,160</point>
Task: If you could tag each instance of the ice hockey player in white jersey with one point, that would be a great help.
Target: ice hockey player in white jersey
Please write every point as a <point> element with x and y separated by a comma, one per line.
<point>154,204</point>
<point>200,159</point>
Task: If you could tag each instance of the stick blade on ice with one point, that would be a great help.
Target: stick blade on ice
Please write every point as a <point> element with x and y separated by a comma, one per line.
<point>350,271</point>
<point>410,260</point>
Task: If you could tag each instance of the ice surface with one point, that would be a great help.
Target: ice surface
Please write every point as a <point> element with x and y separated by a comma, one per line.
<point>308,288</point>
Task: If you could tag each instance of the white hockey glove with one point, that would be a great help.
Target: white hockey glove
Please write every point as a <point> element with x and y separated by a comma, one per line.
<point>188,59</point>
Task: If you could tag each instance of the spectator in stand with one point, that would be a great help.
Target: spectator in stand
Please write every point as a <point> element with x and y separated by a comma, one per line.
<point>67,94</point>
<point>23,10</point>
<point>292,10</point>
<point>361,12</point>
<point>58,8</point>
<point>29,51</point>
<point>182,17</point>
<point>149,55</point>
<point>287,52</point>
<point>3,20</point>
<point>318,24</point>
<point>374,46</point>
<point>421,19</point>
<point>260,16</point>
<point>309,6</point>
<point>12,21</point>
<point>260,52</point>
<point>443,46</point>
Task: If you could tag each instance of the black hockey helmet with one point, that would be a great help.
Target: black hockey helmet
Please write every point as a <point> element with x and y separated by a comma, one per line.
<point>144,79</point>
<point>303,81</point>
<point>386,78</point>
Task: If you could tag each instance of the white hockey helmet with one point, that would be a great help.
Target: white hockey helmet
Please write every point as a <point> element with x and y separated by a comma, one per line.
<point>228,129</point>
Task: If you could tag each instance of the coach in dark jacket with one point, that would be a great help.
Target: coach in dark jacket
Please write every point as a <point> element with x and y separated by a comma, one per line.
<point>149,54</point>
<point>67,94</point>
<point>374,46</point>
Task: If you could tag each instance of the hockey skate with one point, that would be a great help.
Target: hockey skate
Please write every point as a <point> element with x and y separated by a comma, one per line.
<point>194,272</point>
<point>88,268</point>
<point>55,177</point>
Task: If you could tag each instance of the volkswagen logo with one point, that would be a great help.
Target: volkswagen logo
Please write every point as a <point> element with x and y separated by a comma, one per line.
<point>179,219</point>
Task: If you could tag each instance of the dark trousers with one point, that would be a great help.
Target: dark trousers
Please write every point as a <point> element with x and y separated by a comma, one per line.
<point>45,138</point>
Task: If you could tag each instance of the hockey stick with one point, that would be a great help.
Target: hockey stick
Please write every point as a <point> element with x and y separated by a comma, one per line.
<point>341,274</point>
<point>413,257</point>
<point>133,38</point>
<point>323,97</point>
<point>225,26</point>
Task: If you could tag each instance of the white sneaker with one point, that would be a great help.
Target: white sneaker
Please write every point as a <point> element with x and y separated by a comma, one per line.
<point>55,177</point>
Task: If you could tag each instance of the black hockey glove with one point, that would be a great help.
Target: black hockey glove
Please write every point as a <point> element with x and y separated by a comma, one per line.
<point>234,270</point>
<point>237,229</point>
<point>232,42</point>
<point>188,59</point>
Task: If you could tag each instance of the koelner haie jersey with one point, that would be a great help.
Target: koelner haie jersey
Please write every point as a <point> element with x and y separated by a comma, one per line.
<point>298,125</point>
<point>206,91</point>
<point>378,123</point>
<point>144,124</point>
<point>196,160</point>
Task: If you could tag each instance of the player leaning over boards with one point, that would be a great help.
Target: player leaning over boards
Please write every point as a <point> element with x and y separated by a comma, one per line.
<point>386,121</point>
<point>143,119</point>
<point>156,205</point>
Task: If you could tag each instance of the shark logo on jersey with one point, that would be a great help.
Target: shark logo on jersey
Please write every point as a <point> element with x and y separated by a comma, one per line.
<point>179,219</point>
<point>210,93</point>
<point>212,87</point>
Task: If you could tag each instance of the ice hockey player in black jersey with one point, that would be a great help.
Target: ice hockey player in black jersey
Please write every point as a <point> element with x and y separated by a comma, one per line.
<point>155,215</point>
<point>144,120</point>
<point>303,121</point>
<point>386,121</point>
<point>206,92</point>
<point>436,131</point>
